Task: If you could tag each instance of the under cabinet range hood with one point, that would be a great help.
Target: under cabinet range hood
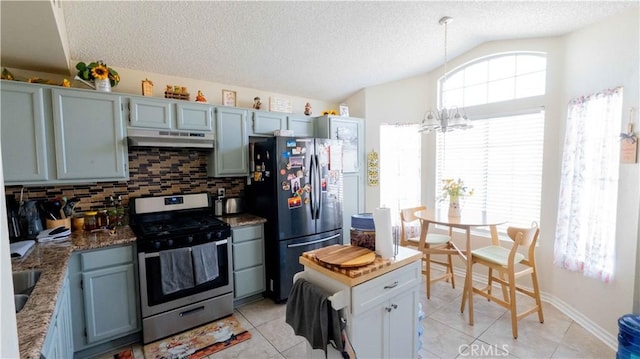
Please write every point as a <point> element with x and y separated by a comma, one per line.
<point>149,137</point>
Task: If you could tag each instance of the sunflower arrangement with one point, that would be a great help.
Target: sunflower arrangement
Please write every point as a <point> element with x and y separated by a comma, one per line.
<point>97,70</point>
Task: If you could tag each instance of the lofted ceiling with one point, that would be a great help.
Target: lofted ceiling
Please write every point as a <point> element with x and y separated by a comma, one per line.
<point>316,49</point>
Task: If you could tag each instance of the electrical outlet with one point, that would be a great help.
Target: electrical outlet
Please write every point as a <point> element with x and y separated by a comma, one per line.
<point>221,192</point>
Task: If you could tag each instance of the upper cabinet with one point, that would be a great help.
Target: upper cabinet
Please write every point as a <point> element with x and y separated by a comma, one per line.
<point>351,131</point>
<point>302,126</point>
<point>89,135</point>
<point>170,114</point>
<point>55,135</point>
<point>22,126</point>
<point>264,123</point>
<point>230,157</point>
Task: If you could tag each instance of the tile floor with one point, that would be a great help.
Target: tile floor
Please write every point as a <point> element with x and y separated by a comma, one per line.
<point>446,332</point>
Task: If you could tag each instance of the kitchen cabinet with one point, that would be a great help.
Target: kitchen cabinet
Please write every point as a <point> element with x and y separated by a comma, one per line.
<point>351,131</point>
<point>166,114</point>
<point>248,261</point>
<point>381,308</point>
<point>61,135</point>
<point>23,132</point>
<point>59,340</point>
<point>104,295</point>
<point>230,157</point>
<point>302,126</point>
<point>89,134</point>
<point>264,123</point>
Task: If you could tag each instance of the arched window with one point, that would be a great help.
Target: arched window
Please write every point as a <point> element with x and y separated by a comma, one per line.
<point>501,156</point>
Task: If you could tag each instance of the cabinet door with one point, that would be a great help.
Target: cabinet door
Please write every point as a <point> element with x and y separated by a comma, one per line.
<point>24,152</point>
<point>247,254</point>
<point>403,325</point>
<point>109,302</point>
<point>230,157</point>
<point>248,281</point>
<point>193,116</point>
<point>59,341</point>
<point>369,333</point>
<point>301,126</point>
<point>264,123</point>
<point>89,136</point>
<point>150,113</point>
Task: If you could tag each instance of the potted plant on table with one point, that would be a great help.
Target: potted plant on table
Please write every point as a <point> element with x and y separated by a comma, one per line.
<point>454,190</point>
<point>97,75</point>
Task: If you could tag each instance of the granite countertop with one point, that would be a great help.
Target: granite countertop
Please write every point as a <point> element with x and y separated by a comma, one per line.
<point>52,259</point>
<point>242,219</point>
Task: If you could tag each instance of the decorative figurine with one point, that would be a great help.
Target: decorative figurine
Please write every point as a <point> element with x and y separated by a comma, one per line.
<point>200,97</point>
<point>307,109</point>
<point>256,103</point>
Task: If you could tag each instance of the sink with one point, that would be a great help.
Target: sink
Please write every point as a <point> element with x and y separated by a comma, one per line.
<point>20,300</point>
<point>23,284</point>
<point>25,281</point>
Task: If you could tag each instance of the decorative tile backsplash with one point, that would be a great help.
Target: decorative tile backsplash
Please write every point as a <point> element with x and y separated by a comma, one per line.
<point>152,171</point>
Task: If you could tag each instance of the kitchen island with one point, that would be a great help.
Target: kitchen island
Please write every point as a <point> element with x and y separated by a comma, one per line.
<point>379,302</point>
<point>52,260</point>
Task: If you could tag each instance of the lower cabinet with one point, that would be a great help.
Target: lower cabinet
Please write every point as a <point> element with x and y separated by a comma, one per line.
<point>59,340</point>
<point>248,261</point>
<point>103,295</point>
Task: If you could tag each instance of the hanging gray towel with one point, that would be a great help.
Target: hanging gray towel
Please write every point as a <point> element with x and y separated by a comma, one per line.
<point>311,316</point>
<point>176,270</point>
<point>205,262</point>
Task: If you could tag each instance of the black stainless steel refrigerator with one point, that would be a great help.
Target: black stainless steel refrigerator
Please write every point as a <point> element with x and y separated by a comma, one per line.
<point>296,184</point>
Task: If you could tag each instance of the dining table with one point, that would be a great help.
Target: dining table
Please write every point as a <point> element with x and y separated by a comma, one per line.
<point>466,221</point>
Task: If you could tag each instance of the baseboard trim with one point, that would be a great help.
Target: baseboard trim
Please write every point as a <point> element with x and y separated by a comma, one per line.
<point>589,325</point>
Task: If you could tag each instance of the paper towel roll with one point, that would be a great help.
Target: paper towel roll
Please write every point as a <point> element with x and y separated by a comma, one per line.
<point>384,238</point>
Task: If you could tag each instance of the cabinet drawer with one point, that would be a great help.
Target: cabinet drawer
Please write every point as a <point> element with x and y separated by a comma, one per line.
<point>248,281</point>
<point>376,291</point>
<point>243,234</point>
<point>106,257</point>
<point>247,254</point>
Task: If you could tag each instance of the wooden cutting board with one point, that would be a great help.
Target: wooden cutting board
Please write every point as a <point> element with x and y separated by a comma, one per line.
<point>345,255</point>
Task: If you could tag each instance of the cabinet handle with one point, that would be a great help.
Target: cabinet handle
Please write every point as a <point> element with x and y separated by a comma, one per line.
<point>394,306</point>
<point>395,284</point>
<point>388,309</point>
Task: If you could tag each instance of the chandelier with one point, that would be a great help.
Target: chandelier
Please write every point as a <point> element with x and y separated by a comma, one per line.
<point>445,119</point>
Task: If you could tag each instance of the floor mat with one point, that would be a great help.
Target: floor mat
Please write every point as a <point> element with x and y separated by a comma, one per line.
<point>199,342</point>
<point>125,354</point>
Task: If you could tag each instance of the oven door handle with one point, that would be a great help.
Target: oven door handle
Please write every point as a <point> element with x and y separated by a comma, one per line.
<point>313,242</point>
<point>157,254</point>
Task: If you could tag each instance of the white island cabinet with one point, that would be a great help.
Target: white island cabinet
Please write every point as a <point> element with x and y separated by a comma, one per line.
<point>380,305</point>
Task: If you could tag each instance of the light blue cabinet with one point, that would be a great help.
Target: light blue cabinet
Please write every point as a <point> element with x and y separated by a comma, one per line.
<point>22,127</point>
<point>89,136</point>
<point>248,261</point>
<point>61,135</point>
<point>264,123</point>
<point>302,126</point>
<point>351,131</point>
<point>150,113</point>
<point>59,340</point>
<point>230,157</point>
<point>104,296</point>
<point>170,114</point>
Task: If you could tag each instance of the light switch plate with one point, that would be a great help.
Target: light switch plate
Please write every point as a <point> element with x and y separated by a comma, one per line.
<point>221,192</point>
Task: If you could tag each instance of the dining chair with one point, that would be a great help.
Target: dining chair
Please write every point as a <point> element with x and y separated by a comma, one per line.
<point>510,264</point>
<point>432,241</point>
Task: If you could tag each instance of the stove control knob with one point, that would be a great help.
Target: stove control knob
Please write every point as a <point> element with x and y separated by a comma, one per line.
<point>209,236</point>
<point>219,235</point>
<point>189,238</point>
<point>156,245</point>
<point>169,243</point>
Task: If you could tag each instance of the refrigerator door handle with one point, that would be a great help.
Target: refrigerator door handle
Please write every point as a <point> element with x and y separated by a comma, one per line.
<point>318,188</point>
<point>313,242</point>
<point>312,176</point>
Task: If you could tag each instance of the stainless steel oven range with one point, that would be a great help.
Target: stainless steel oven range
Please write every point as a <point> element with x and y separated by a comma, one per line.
<point>179,243</point>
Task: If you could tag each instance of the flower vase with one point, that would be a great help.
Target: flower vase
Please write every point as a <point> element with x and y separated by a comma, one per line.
<point>454,207</point>
<point>102,85</point>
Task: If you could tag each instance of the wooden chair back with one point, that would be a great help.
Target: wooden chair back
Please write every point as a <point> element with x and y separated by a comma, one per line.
<point>407,215</point>
<point>525,237</point>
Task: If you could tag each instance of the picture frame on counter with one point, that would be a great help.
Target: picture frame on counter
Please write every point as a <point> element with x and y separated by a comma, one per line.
<point>229,98</point>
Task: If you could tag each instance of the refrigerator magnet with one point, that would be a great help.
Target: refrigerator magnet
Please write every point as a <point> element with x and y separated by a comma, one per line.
<point>296,151</point>
<point>307,188</point>
<point>295,185</point>
<point>283,172</point>
<point>286,186</point>
<point>286,154</point>
<point>299,174</point>
<point>294,202</point>
<point>291,176</point>
<point>257,176</point>
<point>306,200</point>
<point>291,143</point>
<point>267,174</point>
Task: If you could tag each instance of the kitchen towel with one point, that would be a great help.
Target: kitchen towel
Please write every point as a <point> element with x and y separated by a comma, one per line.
<point>176,270</point>
<point>310,314</point>
<point>21,248</point>
<point>205,262</point>
<point>384,238</point>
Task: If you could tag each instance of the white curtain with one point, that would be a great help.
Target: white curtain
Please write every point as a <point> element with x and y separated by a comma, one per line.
<point>586,225</point>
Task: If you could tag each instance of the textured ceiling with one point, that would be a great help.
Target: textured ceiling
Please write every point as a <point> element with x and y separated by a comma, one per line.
<point>321,50</point>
